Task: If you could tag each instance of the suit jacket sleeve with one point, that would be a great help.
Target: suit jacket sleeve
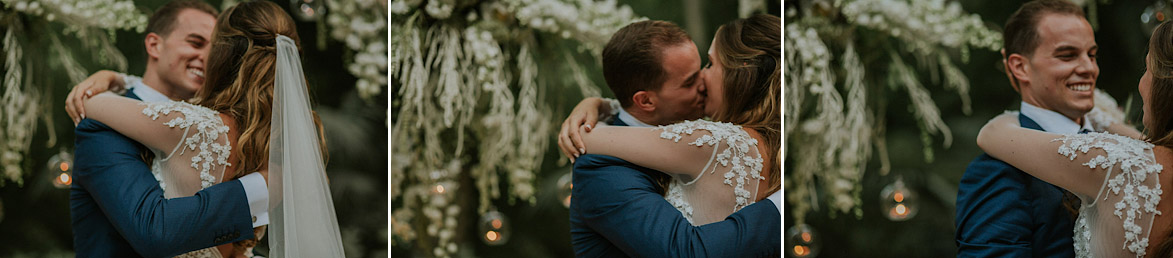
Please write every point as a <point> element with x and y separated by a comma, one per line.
<point>992,218</point>
<point>110,167</point>
<point>618,200</point>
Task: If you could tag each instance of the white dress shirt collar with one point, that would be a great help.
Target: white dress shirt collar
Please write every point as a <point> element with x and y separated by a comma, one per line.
<point>1054,122</point>
<point>144,92</point>
<point>631,120</point>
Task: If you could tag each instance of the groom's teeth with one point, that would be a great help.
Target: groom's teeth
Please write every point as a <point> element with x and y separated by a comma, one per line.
<point>196,72</point>
<point>1080,87</point>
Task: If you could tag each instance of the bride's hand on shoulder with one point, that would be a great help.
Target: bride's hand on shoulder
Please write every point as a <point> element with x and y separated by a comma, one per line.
<point>584,117</point>
<point>101,81</point>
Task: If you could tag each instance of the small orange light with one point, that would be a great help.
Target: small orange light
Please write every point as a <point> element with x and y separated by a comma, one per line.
<point>806,236</point>
<point>801,250</point>
<point>492,236</point>
<point>496,224</point>
<point>64,179</point>
<point>64,166</point>
<point>899,197</point>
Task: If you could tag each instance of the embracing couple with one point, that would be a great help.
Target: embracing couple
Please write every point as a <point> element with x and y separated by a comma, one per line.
<point>191,163</point>
<point>656,181</point>
<point>1061,177</point>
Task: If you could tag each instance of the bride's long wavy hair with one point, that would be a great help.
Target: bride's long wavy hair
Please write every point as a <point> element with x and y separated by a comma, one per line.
<point>1159,127</point>
<point>240,77</point>
<point>748,50</point>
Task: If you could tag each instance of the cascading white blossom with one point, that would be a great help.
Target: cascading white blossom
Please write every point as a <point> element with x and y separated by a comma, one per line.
<point>80,15</point>
<point>467,90</point>
<point>22,101</point>
<point>830,139</point>
<point>362,26</point>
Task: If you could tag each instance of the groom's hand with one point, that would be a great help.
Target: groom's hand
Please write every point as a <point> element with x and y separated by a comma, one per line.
<point>99,82</point>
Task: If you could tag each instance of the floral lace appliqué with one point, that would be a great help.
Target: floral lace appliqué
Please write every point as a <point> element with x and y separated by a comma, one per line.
<point>675,196</point>
<point>1136,165</point>
<point>735,153</point>
<point>208,128</point>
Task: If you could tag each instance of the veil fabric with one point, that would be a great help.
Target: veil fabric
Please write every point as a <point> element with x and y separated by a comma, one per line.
<point>302,219</point>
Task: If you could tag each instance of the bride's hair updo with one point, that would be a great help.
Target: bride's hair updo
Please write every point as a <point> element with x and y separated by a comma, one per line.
<point>1159,129</point>
<point>1160,66</point>
<point>240,77</point>
<point>748,51</point>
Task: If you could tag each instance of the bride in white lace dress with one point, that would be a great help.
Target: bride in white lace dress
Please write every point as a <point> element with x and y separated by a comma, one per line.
<point>1117,177</point>
<point>718,167</point>
<point>252,114</point>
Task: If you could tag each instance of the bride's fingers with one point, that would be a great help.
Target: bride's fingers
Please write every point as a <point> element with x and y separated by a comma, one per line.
<point>577,138</point>
<point>71,104</point>
<point>563,145</point>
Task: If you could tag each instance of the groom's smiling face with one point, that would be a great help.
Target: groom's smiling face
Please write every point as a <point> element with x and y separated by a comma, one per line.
<point>179,57</point>
<point>1061,73</point>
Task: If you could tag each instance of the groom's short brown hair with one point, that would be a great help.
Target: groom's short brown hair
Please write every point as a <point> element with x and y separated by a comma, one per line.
<point>1021,34</point>
<point>163,20</point>
<point>632,58</point>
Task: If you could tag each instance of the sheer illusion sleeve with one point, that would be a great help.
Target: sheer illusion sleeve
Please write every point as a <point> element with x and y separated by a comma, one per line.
<point>1121,212</point>
<point>716,166</point>
<point>1115,177</point>
<point>190,142</point>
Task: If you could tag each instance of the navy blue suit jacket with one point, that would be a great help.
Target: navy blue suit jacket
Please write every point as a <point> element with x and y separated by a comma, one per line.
<point>118,210</point>
<point>1005,212</point>
<point>617,211</point>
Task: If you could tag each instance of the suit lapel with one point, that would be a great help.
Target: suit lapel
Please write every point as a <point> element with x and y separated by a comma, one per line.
<point>618,122</point>
<point>1026,122</point>
<point>130,94</point>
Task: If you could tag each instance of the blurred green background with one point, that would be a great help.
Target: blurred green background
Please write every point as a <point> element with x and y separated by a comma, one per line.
<point>34,218</point>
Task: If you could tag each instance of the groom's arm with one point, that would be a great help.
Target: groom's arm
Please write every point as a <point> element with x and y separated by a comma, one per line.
<point>619,204</point>
<point>109,166</point>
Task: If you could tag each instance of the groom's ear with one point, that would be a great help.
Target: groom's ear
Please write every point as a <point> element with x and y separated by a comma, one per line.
<point>1018,70</point>
<point>644,100</point>
<point>154,44</point>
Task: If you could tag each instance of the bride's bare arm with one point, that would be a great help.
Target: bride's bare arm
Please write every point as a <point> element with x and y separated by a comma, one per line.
<point>1036,152</point>
<point>658,149</point>
<point>1125,130</point>
<point>126,116</point>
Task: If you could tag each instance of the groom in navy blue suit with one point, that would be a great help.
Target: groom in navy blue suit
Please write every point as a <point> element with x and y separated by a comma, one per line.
<point>116,205</point>
<point>1001,210</point>
<point>618,208</point>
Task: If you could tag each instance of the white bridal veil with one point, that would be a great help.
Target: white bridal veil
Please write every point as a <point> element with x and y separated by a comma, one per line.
<point>302,219</point>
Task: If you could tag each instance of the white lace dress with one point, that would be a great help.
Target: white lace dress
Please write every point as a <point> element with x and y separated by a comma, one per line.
<point>729,180</point>
<point>199,157</point>
<point>1118,220</point>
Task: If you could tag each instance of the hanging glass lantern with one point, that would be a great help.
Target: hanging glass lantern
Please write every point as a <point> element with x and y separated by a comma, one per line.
<point>494,228</point>
<point>565,185</point>
<point>898,202</point>
<point>61,167</point>
<point>307,10</point>
<point>802,241</point>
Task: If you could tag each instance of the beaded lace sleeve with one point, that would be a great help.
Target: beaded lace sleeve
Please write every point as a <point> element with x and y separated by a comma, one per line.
<point>201,147</point>
<point>1130,189</point>
<point>734,153</point>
